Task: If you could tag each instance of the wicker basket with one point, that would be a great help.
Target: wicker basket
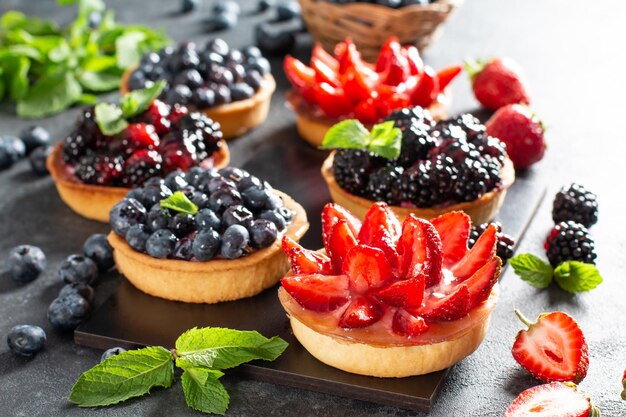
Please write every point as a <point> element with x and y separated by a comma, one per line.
<point>370,25</point>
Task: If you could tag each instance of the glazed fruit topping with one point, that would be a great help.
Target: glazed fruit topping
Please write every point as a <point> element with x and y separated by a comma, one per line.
<point>342,85</point>
<point>415,272</point>
<point>201,215</point>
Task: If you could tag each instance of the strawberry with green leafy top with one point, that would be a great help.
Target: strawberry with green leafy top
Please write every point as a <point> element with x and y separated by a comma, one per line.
<point>498,82</point>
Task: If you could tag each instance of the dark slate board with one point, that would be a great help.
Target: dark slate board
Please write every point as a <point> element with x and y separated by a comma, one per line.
<point>133,319</point>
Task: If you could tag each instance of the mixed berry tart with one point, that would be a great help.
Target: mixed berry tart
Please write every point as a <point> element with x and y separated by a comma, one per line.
<point>231,86</point>
<point>114,148</point>
<point>344,86</point>
<point>392,299</point>
<point>204,236</point>
<point>418,166</point>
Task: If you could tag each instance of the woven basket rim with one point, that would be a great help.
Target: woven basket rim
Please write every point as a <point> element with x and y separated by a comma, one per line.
<point>443,6</point>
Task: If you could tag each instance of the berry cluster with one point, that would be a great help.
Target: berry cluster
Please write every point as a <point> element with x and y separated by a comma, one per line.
<point>205,77</point>
<point>237,213</point>
<point>33,141</point>
<point>450,161</point>
<point>506,243</point>
<point>162,139</point>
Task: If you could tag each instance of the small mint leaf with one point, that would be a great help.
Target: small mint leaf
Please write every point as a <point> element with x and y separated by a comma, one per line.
<point>138,101</point>
<point>385,140</point>
<point>574,276</point>
<point>127,375</point>
<point>347,134</point>
<point>180,203</point>
<point>532,270</point>
<point>110,119</point>
<point>203,390</point>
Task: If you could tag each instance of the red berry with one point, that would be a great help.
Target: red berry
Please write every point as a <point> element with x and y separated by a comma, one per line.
<point>407,324</point>
<point>157,115</point>
<point>454,230</point>
<point>551,400</point>
<point>361,312</point>
<point>498,83</point>
<point>143,135</point>
<point>318,292</point>
<point>483,250</point>
<point>367,268</point>
<point>305,261</point>
<point>177,111</point>
<point>451,307</point>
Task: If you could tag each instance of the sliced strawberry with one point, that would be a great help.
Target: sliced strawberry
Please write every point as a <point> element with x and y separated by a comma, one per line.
<point>427,89</point>
<point>483,280</point>
<point>397,70</point>
<point>361,312</point>
<point>379,215</point>
<point>552,400</point>
<point>407,293</point>
<point>308,94</point>
<point>380,238</point>
<point>365,111</point>
<point>348,57</point>
<point>340,241</point>
<point>454,229</point>
<point>386,103</point>
<point>446,75</point>
<point>406,324</point>
<point>420,250</point>
<point>331,214</point>
<point>319,53</point>
<point>332,101</point>
<point>384,57</point>
<point>324,73</point>
<point>451,307</point>
<point>318,292</point>
<point>483,250</point>
<point>299,74</point>
<point>416,65</point>
<point>367,268</point>
<point>553,348</point>
<point>305,261</point>
<point>357,85</point>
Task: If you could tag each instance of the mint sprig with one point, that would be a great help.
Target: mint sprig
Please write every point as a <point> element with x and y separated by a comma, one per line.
<point>200,353</point>
<point>179,202</point>
<point>532,270</point>
<point>383,140</point>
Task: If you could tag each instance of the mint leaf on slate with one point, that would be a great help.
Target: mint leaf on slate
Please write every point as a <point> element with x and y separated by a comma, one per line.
<point>574,276</point>
<point>52,93</point>
<point>180,203</point>
<point>219,348</point>
<point>127,375</point>
<point>138,101</point>
<point>386,140</point>
<point>110,119</point>
<point>203,391</point>
<point>348,134</point>
<point>532,270</point>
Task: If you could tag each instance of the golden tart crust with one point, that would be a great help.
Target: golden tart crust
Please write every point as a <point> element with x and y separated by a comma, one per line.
<point>212,281</point>
<point>235,118</point>
<point>96,201</point>
<point>481,210</point>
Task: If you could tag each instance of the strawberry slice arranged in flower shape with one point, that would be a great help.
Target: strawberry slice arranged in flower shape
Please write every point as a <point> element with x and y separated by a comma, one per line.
<point>414,273</point>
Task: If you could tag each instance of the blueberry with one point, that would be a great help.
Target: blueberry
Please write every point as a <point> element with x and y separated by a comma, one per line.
<point>161,243</point>
<point>158,218</point>
<point>206,244</point>
<point>190,77</point>
<point>179,94</point>
<point>183,248</point>
<point>175,180</point>
<point>233,173</point>
<point>287,10</point>
<point>261,64</point>
<point>136,193</point>
<point>273,42</point>
<point>207,219</point>
<point>98,249</point>
<point>218,183</point>
<point>238,71</point>
<point>182,224</point>
<point>254,79</point>
<point>187,6</point>
<point>220,75</point>
<point>204,178</point>
<point>255,198</point>
<point>200,199</point>
<point>15,148</point>
<point>38,159</point>
<point>285,213</point>
<point>25,263</point>
<point>154,193</point>
<point>211,58</point>
<point>226,6</point>
<point>150,58</point>
<point>80,288</point>
<point>222,94</point>
<point>6,156</point>
<point>394,4</point>
<point>203,97</point>
<point>274,217</point>
<point>126,213</point>
<point>237,214</point>
<point>262,233</point>
<point>78,268</point>
<point>234,57</point>
<point>218,45</point>
<point>111,352</point>
<point>137,80</point>
<point>249,181</point>
<point>137,236</point>
<point>26,340</point>
<point>34,137</point>
<point>241,91</point>
<point>234,241</point>
<point>66,313</point>
<point>192,176</point>
<point>223,198</point>
<point>264,5</point>
<point>274,201</point>
<point>223,21</point>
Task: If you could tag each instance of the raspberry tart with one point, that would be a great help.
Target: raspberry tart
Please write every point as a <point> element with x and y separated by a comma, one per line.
<point>233,87</point>
<point>391,299</point>
<point>99,162</point>
<point>205,236</point>
<point>344,86</point>
<point>427,169</point>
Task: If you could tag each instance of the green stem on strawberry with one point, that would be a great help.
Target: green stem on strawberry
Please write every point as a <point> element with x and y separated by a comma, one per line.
<point>473,67</point>
<point>523,318</point>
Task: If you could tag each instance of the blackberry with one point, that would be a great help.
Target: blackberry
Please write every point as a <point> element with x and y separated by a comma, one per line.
<point>74,147</point>
<point>408,116</point>
<point>472,181</point>
<point>490,146</point>
<point>474,130</point>
<point>493,167</point>
<point>458,150</point>
<point>448,129</point>
<point>505,245</point>
<point>99,169</point>
<point>428,183</point>
<point>351,168</point>
<point>383,184</point>
<point>570,241</point>
<point>416,143</point>
<point>202,132</point>
<point>141,166</point>
<point>574,202</point>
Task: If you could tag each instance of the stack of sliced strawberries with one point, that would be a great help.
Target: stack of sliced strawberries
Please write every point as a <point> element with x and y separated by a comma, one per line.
<point>421,270</point>
<point>344,85</point>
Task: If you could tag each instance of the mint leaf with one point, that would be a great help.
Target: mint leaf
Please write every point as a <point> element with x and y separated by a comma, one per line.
<point>203,391</point>
<point>348,134</point>
<point>385,140</point>
<point>109,119</point>
<point>574,276</point>
<point>532,270</point>
<point>138,101</point>
<point>219,348</point>
<point>127,375</point>
<point>99,81</point>
<point>128,48</point>
<point>51,94</point>
<point>179,202</point>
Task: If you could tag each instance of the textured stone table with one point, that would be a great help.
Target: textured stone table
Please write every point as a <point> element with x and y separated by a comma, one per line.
<point>574,59</point>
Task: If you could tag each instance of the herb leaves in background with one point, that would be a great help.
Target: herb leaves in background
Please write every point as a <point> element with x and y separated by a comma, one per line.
<point>45,69</point>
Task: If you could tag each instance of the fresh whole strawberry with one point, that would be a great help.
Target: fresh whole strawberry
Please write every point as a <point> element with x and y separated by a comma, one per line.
<point>557,399</point>
<point>624,385</point>
<point>498,82</point>
<point>522,132</point>
<point>552,349</point>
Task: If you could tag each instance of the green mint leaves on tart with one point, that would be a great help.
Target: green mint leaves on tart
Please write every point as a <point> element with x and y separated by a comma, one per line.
<point>200,352</point>
<point>110,119</point>
<point>571,276</point>
<point>180,203</point>
<point>383,140</point>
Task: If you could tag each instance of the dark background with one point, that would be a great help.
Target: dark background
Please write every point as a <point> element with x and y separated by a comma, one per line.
<point>574,57</point>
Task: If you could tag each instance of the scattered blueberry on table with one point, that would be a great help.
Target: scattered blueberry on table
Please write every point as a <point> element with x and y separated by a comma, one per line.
<point>26,340</point>
<point>25,263</point>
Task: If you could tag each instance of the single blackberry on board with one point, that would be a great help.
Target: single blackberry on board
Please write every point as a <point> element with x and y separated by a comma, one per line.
<point>574,202</point>
<point>472,181</point>
<point>506,243</point>
<point>570,241</point>
<point>351,168</point>
<point>383,184</point>
<point>405,117</point>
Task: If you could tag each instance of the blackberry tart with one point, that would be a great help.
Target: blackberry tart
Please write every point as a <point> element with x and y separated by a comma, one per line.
<point>438,167</point>
<point>231,86</point>
<point>205,236</point>
<point>114,148</point>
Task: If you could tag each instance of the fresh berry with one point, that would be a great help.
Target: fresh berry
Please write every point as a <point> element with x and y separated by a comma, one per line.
<point>574,202</point>
<point>361,312</point>
<point>453,229</point>
<point>262,233</point>
<point>305,261</point>
<point>111,352</point>
<point>556,399</point>
<point>207,219</point>
<point>553,348</point>
<point>78,268</point>
<point>183,249</point>
<point>12,149</point>
<point>34,137</point>
<point>406,324</point>
<point>483,250</point>
<point>255,198</point>
<point>66,313</point>
<point>38,158</point>
<point>317,292</point>
<point>79,288</point>
<point>420,247</point>
<point>570,241</point>
<point>206,244</point>
<point>125,214</point>
<point>99,169</point>
<point>449,308</point>
<point>182,224</point>
<point>142,165</point>
<point>498,83</point>
<point>187,6</point>
<point>26,340</point>
<point>97,248</point>
<point>137,237</point>
<point>25,263</point>
<point>234,242</point>
<point>276,217</point>
<point>161,243</point>
<point>382,184</point>
<point>506,244</point>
